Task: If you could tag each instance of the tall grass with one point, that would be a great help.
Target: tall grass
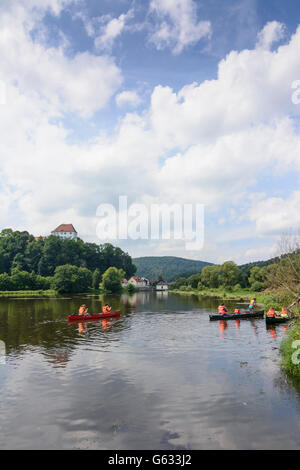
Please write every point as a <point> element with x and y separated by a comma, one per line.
<point>29,293</point>
<point>290,353</point>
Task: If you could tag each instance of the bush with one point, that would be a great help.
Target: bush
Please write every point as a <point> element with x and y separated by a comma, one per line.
<point>71,279</point>
<point>289,352</point>
<point>186,289</point>
<point>6,283</point>
<point>237,288</point>
<point>257,286</point>
<point>112,280</point>
<point>130,289</point>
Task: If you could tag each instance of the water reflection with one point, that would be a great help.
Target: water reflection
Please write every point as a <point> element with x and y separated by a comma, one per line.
<point>161,376</point>
<point>223,325</point>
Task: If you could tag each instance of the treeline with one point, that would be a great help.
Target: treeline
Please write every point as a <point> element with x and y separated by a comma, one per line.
<point>232,277</point>
<point>29,264</point>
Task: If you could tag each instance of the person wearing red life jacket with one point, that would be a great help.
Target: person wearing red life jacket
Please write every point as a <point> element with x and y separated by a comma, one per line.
<point>237,311</point>
<point>222,310</point>
<point>272,312</point>
<point>106,309</point>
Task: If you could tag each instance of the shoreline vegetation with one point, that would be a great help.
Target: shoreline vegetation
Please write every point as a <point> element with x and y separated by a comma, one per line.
<point>29,293</point>
<point>290,351</point>
<point>265,299</point>
<point>51,293</point>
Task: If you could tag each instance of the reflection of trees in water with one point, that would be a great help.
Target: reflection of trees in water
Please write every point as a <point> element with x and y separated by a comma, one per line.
<point>2,352</point>
<point>42,324</point>
<point>58,358</point>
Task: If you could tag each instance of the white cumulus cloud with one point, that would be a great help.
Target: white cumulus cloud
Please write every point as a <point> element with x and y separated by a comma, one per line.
<point>111,30</point>
<point>177,26</point>
<point>128,98</point>
<point>270,34</point>
<point>81,84</point>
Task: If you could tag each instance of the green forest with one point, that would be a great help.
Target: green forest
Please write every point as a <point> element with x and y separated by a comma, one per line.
<point>54,263</point>
<point>167,267</point>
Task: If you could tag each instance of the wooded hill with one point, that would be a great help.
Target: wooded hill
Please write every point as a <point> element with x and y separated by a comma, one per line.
<point>169,268</point>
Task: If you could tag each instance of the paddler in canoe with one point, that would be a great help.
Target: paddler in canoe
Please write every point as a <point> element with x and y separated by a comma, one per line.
<point>252,304</point>
<point>222,310</point>
<point>272,312</point>
<point>284,313</point>
<point>106,309</point>
<point>83,310</point>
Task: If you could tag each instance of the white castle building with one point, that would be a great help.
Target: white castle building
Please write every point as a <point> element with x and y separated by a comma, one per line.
<point>65,231</point>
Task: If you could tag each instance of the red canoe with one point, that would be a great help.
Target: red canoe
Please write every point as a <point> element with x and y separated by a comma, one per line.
<point>95,316</point>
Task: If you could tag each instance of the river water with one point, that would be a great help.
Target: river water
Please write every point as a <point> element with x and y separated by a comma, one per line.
<point>159,377</point>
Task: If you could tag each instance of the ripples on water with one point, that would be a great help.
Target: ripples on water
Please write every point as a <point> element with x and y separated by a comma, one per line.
<point>159,377</point>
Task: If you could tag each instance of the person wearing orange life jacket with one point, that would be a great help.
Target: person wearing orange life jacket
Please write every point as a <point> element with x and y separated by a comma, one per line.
<point>222,310</point>
<point>284,312</point>
<point>106,309</point>
<point>237,311</point>
<point>272,312</point>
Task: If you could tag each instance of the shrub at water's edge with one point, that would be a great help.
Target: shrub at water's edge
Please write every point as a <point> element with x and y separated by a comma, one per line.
<point>29,293</point>
<point>112,280</point>
<point>290,350</point>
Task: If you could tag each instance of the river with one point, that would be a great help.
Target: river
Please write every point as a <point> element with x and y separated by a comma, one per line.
<point>159,377</point>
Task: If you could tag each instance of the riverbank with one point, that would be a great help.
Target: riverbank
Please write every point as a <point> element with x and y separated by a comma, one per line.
<point>290,350</point>
<point>29,293</point>
<point>266,299</point>
<point>53,293</point>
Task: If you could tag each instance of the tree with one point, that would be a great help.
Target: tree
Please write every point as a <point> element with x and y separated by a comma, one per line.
<point>33,254</point>
<point>22,251</point>
<point>84,280</point>
<point>12,243</point>
<point>256,278</point>
<point>6,283</point>
<point>19,262</point>
<point>71,279</point>
<point>182,281</point>
<point>96,279</point>
<point>112,279</point>
<point>210,276</point>
<point>194,280</point>
<point>22,280</point>
<point>230,274</point>
<point>285,273</point>
<point>2,263</point>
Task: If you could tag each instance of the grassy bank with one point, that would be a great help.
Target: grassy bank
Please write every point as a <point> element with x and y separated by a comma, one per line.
<point>266,299</point>
<point>290,351</point>
<point>29,293</point>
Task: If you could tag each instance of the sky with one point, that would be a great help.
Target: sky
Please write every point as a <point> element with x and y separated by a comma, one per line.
<point>161,101</point>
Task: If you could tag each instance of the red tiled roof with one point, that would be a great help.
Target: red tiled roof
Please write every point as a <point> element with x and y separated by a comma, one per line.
<point>65,228</point>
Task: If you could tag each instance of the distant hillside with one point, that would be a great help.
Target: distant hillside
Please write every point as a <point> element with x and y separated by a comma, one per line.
<point>260,264</point>
<point>169,267</point>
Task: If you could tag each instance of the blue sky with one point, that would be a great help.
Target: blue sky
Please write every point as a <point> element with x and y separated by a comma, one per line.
<point>170,101</point>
